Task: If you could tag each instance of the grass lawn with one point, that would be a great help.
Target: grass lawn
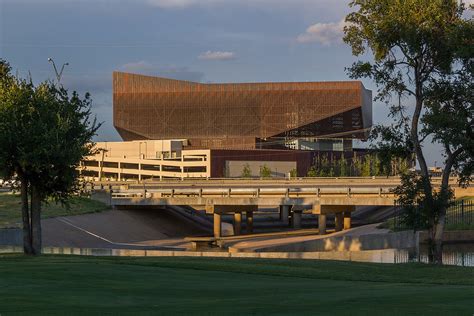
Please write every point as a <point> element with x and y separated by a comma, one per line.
<point>10,209</point>
<point>66,285</point>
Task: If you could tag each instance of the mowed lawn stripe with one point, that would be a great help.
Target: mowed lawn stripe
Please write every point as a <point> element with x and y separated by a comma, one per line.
<point>70,285</point>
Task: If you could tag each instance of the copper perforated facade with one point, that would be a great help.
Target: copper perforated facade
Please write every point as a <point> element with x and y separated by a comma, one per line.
<point>238,116</point>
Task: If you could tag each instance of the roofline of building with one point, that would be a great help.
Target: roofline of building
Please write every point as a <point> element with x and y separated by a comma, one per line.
<point>242,83</point>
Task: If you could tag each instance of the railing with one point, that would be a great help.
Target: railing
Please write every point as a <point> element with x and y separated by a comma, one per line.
<point>253,192</point>
<point>186,180</point>
<point>460,215</point>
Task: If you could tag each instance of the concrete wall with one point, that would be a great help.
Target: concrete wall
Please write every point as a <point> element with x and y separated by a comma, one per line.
<point>103,196</point>
<point>278,168</point>
<point>376,256</point>
<point>144,149</point>
<point>12,237</point>
<point>400,240</point>
<point>457,236</point>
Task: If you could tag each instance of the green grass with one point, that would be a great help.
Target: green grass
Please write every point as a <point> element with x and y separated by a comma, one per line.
<point>10,209</point>
<point>87,285</point>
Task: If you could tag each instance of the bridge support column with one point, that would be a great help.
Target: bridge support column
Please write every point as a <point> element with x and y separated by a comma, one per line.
<point>297,219</point>
<point>249,222</point>
<point>217,225</point>
<point>237,223</point>
<point>339,219</point>
<point>347,220</point>
<point>322,224</point>
<point>285,214</point>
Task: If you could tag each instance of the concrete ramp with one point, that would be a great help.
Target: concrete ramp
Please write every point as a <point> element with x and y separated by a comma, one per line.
<point>121,228</point>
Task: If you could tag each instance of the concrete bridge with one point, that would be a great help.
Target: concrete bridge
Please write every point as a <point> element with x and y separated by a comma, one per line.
<point>323,196</point>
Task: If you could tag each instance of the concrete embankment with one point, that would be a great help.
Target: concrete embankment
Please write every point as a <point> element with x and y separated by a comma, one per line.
<point>357,239</point>
<point>375,256</point>
<point>114,229</point>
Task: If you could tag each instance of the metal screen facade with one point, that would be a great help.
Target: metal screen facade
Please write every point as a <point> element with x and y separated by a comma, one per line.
<point>238,116</point>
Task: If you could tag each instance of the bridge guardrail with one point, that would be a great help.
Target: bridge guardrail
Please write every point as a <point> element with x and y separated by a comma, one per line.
<point>252,192</point>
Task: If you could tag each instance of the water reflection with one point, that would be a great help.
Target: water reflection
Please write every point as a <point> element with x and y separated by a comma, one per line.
<point>453,254</point>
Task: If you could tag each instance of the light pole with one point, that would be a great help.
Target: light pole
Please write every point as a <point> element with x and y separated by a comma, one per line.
<point>60,73</point>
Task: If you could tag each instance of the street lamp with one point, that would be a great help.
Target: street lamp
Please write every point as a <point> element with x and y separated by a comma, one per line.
<point>60,73</point>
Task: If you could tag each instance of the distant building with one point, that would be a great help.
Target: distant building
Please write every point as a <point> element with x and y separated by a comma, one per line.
<point>240,115</point>
<point>174,128</point>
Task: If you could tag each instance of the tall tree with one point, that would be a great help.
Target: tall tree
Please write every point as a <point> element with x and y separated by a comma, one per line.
<point>44,134</point>
<point>422,50</point>
<point>366,166</point>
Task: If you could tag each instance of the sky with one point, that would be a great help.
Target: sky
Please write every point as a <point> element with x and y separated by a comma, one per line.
<point>199,40</point>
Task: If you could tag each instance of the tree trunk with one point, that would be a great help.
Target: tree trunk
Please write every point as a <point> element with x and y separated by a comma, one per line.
<point>431,248</point>
<point>438,238</point>
<point>25,214</point>
<point>36,220</point>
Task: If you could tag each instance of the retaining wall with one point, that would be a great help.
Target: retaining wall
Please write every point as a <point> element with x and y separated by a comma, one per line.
<point>376,256</point>
<point>104,196</point>
<point>399,240</point>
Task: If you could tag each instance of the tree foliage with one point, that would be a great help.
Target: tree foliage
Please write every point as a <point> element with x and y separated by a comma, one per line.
<point>246,172</point>
<point>422,64</point>
<point>293,173</point>
<point>265,172</point>
<point>44,134</point>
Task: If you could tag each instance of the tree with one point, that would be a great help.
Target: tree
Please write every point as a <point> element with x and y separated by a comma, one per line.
<point>265,172</point>
<point>312,172</point>
<point>376,166</point>
<point>293,173</point>
<point>422,53</point>
<point>366,166</point>
<point>324,166</point>
<point>342,167</point>
<point>357,166</point>
<point>246,172</point>
<point>44,134</point>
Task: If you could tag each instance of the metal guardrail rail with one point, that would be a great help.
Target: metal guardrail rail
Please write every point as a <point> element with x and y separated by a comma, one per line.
<point>261,182</point>
<point>254,192</point>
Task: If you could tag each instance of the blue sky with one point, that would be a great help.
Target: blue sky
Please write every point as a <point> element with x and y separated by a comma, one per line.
<point>199,40</point>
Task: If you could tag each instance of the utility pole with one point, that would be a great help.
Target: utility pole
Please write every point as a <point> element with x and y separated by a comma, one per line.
<point>60,73</point>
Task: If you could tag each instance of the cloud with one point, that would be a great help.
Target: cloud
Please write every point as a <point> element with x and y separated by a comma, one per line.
<point>217,55</point>
<point>323,33</point>
<point>173,72</point>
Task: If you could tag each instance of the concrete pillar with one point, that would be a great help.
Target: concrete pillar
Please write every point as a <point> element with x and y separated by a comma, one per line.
<point>322,224</point>
<point>100,170</point>
<point>217,225</point>
<point>285,213</point>
<point>339,219</point>
<point>237,223</point>
<point>297,219</point>
<point>249,222</point>
<point>347,220</point>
